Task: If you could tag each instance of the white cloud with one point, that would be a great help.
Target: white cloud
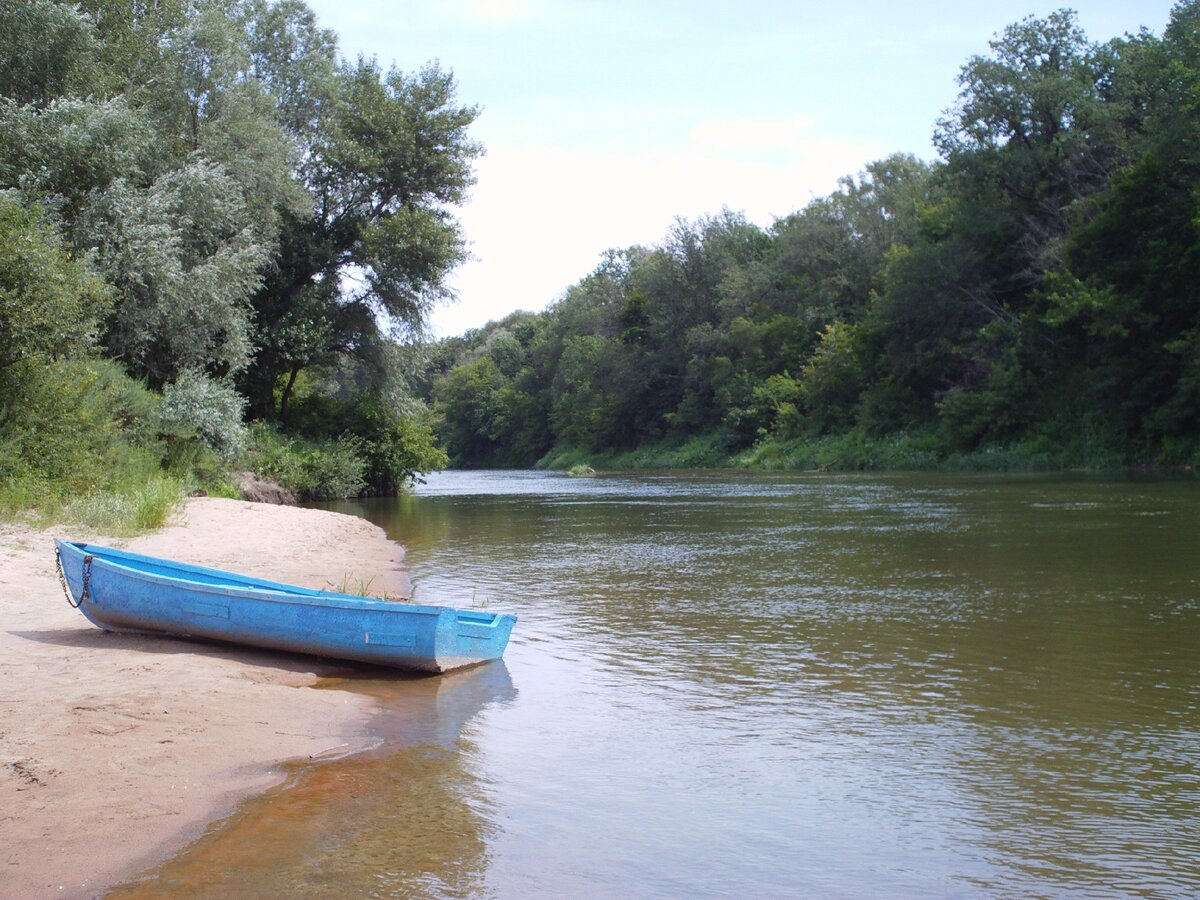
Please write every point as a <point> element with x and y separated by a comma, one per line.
<point>771,136</point>
<point>540,217</point>
<point>487,12</point>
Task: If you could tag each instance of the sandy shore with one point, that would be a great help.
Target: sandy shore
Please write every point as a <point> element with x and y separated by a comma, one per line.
<point>117,750</point>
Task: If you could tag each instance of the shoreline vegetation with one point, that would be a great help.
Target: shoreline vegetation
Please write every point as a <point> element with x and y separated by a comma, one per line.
<point>184,188</point>
<point>219,244</point>
<point>220,241</point>
<point>854,452</point>
<point>1030,300</point>
<point>118,750</point>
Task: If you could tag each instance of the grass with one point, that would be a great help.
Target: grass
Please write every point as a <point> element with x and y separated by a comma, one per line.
<point>132,505</point>
<point>856,451</point>
<point>852,452</point>
<point>361,587</point>
<point>129,508</point>
<point>703,452</point>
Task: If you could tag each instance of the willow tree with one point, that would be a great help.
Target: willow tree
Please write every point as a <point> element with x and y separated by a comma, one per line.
<point>185,257</point>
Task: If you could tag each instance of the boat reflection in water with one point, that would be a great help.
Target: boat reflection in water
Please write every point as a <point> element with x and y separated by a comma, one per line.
<point>412,810</point>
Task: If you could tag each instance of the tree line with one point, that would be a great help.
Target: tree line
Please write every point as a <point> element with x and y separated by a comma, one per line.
<point>208,216</point>
<point>1030,298</point>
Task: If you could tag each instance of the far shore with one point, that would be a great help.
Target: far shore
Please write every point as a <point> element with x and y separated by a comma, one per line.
<point>117,750</point>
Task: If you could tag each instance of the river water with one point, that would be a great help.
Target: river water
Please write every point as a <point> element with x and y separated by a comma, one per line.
<point>769,686</point>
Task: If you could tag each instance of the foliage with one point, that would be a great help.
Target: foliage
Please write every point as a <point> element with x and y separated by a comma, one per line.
<point>185,259</point>
<point>778,406</point>
<point>1029,300</point>
<point>350,447</point>
<point>204,193</point>
<point>834,377</point>
<point>198,408</point>
<point>47,46</point>
<point>57,425</point>
<point>331,469</point>
<point>384,158</point>
<point>75,444</point>
<point>49,301</point>
<point>394,448</point>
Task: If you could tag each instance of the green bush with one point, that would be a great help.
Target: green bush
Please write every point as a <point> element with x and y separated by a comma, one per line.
<point>395,448</point>
<point>833,379</point>
<point>198,408</point>
<point>50,301</point>
<point>76,444</point>
<point>58,423</point>
<point>777,405</point>
<point>312,470</point>
<point>332,470</point>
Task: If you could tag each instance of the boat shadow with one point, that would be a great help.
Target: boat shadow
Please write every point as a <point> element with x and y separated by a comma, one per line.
<point>95,638</point>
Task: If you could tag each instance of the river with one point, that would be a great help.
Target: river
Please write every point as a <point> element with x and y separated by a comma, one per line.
<point>770,686</point>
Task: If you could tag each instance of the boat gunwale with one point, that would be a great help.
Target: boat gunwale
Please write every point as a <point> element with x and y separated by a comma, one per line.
<point>253,589</point>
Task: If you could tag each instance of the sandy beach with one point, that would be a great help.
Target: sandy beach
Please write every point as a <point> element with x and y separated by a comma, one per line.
<point>117,750</point>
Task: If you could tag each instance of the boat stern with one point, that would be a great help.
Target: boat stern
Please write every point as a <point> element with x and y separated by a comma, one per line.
<point>469,637</point>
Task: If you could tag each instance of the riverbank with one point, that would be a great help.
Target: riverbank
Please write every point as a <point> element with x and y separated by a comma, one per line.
<point>858,452</point>
<point>117,750</point>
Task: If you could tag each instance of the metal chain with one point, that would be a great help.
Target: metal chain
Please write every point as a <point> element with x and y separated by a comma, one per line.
<point>62,579</point>
<point>86,593</point>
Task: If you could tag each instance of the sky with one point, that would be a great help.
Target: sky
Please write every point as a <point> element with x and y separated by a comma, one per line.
<point>603,121</point>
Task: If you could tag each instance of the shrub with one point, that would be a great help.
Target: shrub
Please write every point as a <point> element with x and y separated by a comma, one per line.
<point>198,408</point>
<point>776,405</point>
<point>332,470</point>
<point>75,444</point>
<point>312,470</point>
<point>49,301</point>
<point>395,448</point>
<point>58,424</point>
<point>833,379</point>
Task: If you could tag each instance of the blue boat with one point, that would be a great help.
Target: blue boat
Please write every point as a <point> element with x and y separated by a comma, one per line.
<point>121,591</point>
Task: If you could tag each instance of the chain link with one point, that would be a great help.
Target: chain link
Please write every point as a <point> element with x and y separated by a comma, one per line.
<point>86,593</point>
<point>62,579</point>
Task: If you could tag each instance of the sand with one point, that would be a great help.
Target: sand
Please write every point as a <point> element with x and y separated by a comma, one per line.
<point>117,750</point>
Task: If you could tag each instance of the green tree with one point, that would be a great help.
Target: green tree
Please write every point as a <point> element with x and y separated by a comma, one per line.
<point>186,258</point>
<point>468,411</point>
<point>1031,134</point>
<point>1125,311</point>
<point>46,51</point>
<point>588,396</point>
<point>388,157</point>
<point>50,301</point>
<point>832,381</point>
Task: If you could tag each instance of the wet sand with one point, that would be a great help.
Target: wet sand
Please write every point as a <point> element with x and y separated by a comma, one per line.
<point>117,750</point>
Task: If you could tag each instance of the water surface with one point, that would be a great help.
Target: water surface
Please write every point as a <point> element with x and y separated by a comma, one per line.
<point>732,685</point>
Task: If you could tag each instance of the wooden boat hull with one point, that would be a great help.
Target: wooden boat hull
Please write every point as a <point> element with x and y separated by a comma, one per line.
<point>120,591</point>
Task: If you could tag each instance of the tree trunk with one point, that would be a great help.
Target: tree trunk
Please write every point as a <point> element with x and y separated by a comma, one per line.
<point>286,395</point>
